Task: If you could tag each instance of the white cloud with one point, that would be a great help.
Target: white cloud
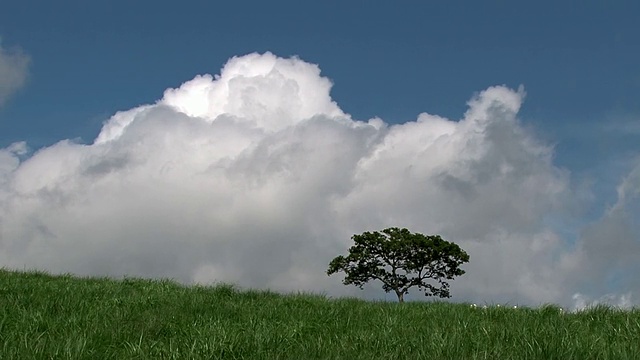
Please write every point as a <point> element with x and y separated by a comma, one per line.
<point>608,251</point>
<point>13,71</point>
<point>582,302</point>
<point>263,90</point>
<point>257,177</point>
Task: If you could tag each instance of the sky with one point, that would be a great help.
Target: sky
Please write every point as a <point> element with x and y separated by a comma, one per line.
<point>247,142</point>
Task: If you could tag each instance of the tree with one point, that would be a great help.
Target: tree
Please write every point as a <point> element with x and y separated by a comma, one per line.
<point>394,254</point>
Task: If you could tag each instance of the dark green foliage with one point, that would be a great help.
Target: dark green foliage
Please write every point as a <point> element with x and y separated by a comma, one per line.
<point>394,255</point>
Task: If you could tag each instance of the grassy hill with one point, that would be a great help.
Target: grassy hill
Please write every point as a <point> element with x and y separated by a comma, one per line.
<point>64,317</point>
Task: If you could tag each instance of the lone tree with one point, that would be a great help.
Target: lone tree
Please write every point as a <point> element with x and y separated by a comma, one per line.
<point>393,254</point>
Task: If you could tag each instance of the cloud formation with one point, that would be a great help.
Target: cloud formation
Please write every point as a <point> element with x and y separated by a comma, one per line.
<point>14,66</point>
<point>257,177</point>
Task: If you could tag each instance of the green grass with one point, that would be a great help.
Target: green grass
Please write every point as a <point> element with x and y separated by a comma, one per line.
<point>63,317</point>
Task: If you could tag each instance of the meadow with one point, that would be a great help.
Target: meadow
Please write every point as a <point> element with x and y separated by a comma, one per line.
<point>65,317</point>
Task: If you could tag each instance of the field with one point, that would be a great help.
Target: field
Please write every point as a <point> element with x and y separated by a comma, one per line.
<point>64,317</point>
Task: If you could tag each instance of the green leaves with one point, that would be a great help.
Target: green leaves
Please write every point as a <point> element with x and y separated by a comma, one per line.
<point>401,260</point>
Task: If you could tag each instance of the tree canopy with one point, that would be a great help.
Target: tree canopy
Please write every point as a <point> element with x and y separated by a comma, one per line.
<point>401,260</point>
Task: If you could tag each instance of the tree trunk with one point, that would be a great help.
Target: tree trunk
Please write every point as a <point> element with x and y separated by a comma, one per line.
<point>400,296</point>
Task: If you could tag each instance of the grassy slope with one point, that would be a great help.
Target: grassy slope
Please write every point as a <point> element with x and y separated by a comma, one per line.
<point>62,317</point>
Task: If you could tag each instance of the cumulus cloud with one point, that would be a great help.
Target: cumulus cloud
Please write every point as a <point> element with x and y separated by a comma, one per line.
<point>255,176</point>
<point>609,250</point>
<point>13,71</point>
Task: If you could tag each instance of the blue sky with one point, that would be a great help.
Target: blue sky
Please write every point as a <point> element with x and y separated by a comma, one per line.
<point>578,63</point>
